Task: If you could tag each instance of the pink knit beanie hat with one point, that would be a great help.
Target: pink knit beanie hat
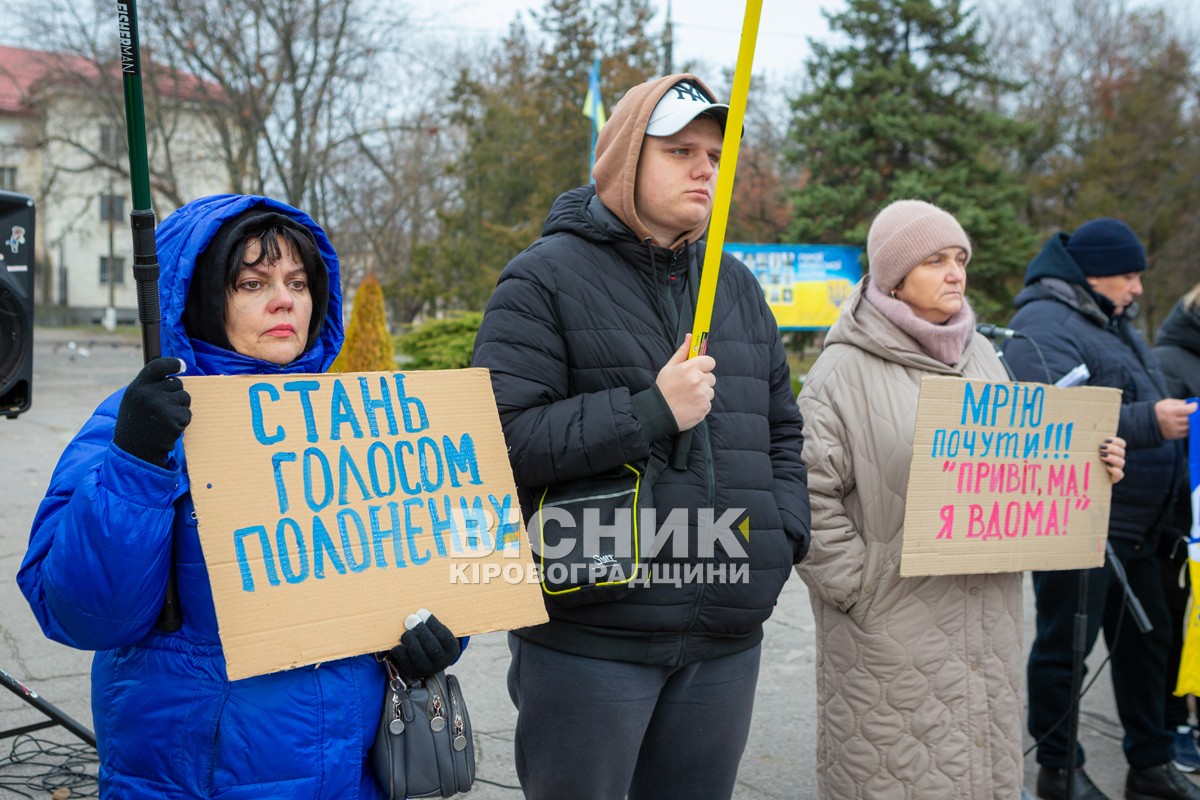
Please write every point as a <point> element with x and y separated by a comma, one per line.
<point>906,233</point>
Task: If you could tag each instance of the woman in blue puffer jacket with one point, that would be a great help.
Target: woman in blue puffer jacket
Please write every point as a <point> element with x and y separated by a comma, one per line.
<point>248,286</point>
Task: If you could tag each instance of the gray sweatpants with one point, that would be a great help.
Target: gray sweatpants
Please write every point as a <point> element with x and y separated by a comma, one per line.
<point>590,729</point>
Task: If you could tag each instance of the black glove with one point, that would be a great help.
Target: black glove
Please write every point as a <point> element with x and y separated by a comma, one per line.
<point>154,412</point>
<point>424,650</point>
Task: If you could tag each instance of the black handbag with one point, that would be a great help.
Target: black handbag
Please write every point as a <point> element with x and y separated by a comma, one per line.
<point>423,747</point>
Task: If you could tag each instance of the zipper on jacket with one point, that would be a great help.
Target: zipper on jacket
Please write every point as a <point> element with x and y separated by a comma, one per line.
<point>711,478</point>
<point>665,298</point>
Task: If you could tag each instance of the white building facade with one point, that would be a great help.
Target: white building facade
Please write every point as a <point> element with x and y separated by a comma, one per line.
<point>61,135</point>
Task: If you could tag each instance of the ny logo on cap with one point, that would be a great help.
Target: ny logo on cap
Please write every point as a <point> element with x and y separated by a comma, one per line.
<point>686,91</point>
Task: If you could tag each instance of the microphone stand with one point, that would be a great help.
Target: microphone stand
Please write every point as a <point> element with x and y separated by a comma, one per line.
<point>1078,654</point>
<point>1079,631</point>
<point>1079,649</point>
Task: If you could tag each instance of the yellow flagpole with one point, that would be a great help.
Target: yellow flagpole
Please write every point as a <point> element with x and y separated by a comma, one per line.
<point>729,153</point>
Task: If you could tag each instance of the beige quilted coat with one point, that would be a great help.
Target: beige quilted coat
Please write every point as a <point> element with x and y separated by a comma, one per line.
<point>919,680</point>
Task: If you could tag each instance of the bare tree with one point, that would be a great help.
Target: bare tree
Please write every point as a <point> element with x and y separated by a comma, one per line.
<point>278,83</point>
<point>289,78</point>
<point>1112,90</point>
<point>389,188</point>
<point>78,62</point>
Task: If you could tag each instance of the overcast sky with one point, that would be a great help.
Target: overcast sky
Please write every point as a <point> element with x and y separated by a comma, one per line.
<point>707,31</point>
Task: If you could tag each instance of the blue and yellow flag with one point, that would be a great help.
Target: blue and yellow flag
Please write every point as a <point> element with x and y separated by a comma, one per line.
<point>1189,667</point>
<point>593,106</point>
<point>593,109</point>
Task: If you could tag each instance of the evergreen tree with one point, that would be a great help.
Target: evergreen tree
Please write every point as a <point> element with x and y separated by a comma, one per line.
<point>368,346</point>
<point>1111,92</point>
<point>901,110</point>
<point>495,214</point>
<point>1144,167</point>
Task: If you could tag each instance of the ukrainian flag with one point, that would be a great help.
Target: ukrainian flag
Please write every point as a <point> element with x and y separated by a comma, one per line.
<point>1189,668</point>
<point>593,106</point>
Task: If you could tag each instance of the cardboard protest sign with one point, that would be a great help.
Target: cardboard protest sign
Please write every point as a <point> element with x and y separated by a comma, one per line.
<point>332,506</point>
<point>1007,477</point>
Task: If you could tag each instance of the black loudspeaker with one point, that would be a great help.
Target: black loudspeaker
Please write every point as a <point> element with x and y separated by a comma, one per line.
<point>16,303</point>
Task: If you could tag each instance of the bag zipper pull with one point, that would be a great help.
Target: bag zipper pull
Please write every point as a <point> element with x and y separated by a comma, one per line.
<point>396,724</point>
<point>460,741</point>
<point>437,713</point>
<point>396,683</point>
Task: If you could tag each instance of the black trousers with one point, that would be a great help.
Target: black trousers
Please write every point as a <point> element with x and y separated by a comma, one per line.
<point>1138,665</point>
<point>589,729</point>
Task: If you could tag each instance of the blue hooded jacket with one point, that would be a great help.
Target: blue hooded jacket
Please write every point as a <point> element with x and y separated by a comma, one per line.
<point>169,723</point>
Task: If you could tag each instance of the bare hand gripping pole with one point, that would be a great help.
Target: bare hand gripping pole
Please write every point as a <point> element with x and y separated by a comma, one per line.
<point>141,220</point>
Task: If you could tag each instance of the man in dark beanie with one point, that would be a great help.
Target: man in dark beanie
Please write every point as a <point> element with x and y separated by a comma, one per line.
<point>1078,307</point>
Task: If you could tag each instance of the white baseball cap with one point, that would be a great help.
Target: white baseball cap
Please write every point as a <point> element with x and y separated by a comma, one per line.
<point>682,103</point>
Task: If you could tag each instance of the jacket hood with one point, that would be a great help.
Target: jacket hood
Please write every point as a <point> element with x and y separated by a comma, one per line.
<point>1054,274</point>
<point>619,148</point>
<point>1180,329</point>
<point>1055,262</point>
<point>862,325</point>
<point>181,238</point>
<point>579,211</point>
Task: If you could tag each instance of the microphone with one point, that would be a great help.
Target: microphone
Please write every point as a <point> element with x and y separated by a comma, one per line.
<point>997,332</point>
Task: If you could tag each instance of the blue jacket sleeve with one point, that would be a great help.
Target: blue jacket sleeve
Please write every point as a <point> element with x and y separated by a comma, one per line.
<point>1138,425</point>
<point>96,569</point>
<point>553,436</point>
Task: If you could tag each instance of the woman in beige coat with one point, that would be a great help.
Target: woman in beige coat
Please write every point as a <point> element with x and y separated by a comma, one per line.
<point>919,680</point>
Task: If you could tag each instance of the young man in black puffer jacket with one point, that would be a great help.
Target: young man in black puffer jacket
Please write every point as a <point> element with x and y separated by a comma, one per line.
<point>1077,307</point>
<point>644,690</point>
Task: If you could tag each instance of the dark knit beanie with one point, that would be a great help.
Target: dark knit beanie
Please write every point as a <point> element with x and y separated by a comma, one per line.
<point>217,268</point>
<point>1105,247</point>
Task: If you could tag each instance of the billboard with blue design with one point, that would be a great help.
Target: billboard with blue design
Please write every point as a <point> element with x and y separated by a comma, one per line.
<point>805,284</point>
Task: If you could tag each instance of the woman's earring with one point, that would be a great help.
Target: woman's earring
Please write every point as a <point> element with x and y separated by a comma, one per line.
<point>893,294</point>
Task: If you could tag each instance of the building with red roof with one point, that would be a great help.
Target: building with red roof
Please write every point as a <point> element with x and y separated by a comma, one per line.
<point>63,143</point>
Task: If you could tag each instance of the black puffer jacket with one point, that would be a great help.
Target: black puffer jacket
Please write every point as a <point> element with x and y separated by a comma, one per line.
<point>574,336</point>
<point>1178,349</point>
<point>1073,325</point>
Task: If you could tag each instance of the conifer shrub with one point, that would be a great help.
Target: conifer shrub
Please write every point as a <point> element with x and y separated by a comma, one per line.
<point>442,343</point>
<point>368,346</point>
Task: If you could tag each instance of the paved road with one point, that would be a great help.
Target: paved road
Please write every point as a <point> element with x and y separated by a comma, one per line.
<point>74,371</point>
